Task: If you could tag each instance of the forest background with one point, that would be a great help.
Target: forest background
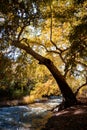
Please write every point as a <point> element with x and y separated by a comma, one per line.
<point>55,29</point>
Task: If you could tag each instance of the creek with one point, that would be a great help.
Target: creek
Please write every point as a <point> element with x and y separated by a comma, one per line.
<point>29,117</point>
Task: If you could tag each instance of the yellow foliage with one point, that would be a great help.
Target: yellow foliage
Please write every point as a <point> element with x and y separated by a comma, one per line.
<point>83,91</point>
<point>28,99</point>
<point>47,88</point>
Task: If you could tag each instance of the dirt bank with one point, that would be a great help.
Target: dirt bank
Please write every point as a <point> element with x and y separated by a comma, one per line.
<point>73,118</point>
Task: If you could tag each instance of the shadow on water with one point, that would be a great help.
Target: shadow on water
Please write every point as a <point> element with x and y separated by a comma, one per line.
<point>31,117</point>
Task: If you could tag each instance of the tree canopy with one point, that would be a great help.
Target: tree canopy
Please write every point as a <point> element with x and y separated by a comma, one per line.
<point>53,29</point>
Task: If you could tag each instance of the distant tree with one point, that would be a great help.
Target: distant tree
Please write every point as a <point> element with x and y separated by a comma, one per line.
<point>5,70</point>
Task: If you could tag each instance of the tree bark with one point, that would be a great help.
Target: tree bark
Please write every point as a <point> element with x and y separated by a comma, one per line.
<point>66,91</point>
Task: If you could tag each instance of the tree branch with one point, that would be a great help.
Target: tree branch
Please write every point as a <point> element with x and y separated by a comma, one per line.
<point>60,50</point>
<point>79,62</point>
<point>29,50</point>
<point>80,87</point>
<point>20,33</point>
<point>51,25</point>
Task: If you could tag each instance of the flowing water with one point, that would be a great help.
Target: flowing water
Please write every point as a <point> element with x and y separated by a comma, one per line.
<point>31,117</point>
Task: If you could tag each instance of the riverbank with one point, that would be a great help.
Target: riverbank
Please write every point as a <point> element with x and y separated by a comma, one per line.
<point>25,101</point>
<point>19,102</point>
<point>34,115</point>
<point>73,118</point>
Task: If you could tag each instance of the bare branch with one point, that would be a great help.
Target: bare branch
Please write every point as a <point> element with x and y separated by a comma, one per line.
<point>66,72</point>
<point>51,25</point>
<point>79,62</point>
<point>80,87</point>
<point>22,29</point>
<point>51,33</point>
<point>53,51</point>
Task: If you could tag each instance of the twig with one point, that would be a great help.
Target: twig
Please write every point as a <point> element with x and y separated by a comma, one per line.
<point>80,87</point>
<point>22,29</point>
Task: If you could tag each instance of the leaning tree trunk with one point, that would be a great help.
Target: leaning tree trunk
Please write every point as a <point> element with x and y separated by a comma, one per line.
<point>66,91</point>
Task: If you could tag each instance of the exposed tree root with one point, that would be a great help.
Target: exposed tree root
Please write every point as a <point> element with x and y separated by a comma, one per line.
<point>65,105</point>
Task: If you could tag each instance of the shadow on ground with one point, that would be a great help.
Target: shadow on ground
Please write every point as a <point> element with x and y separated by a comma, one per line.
<point>73,118</point>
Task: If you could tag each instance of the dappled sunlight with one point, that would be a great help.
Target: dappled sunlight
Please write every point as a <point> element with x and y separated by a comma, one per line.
<point>62,113</point>
<point>78,112</point>
<point>43,54</point>
<point>75,110</point>
<point>73,118</point>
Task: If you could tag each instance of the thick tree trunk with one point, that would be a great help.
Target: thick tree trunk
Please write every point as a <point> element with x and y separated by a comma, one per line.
<point>66,91</point>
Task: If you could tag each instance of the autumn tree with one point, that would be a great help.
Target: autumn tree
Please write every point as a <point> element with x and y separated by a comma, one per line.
<point>48,27</point>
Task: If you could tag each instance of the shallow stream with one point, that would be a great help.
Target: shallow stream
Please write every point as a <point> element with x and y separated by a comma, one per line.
<point>30,117</point>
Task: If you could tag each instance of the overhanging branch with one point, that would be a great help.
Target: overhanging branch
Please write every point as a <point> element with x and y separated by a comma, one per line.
<point>80,87</point>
